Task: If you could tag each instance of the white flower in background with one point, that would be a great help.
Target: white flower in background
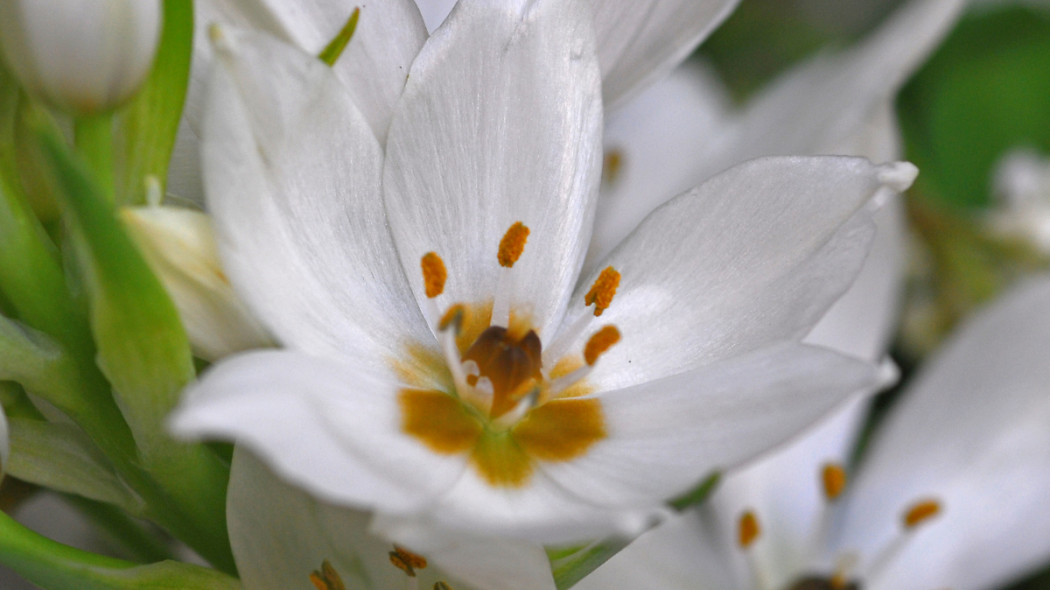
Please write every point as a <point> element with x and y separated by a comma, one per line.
<point>85,56</point>
<point>951,493</point>
<point>179,245</point>
<point>1021,186</point>
<point>442,358</point>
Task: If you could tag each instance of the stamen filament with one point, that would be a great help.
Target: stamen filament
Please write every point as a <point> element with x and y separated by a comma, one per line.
<point>748,531</point>
<point>918,513</point>
<point>524,405</point>
<point>833,481</point>
<point>448,332</point>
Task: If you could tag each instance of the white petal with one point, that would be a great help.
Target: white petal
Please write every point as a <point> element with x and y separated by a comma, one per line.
<point>293,173</point>
<point>755,255</point>
<point>683,553</point>
<point>642,40</point>
<point>334,429</point>
<point>280,534</point>
<point>832,104</point>
<point>667,435</point>
<point>179,245</point>
<point>373,66</point>
<point>435,11</point>
<point>660,138</point>
<point>973,432</point>
<point>500,122</point>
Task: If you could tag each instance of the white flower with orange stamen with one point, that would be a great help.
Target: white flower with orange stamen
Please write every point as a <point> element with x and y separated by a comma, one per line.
<point>950,494</point>
<point>445,361</point>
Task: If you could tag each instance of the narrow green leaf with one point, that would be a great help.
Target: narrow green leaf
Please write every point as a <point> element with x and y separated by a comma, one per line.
<point>570,565</point>
<point>330,54</point>
<point>147,126</point>
<point>59,456</point>
<point>697,495</point>
<point>54,566</point>
<point>144,353</point>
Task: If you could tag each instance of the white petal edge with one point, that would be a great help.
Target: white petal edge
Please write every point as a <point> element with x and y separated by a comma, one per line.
<point>974,432</point>
<point>642,40</point>
<point>332,428</point>
<point>665,436</point>
<point>280,534</point>
<point>292,174</point>
<point>500,122</point>
<point>753,256</point>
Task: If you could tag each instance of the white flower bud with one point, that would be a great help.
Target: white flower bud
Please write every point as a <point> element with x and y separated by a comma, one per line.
<point>84,56</point>
<point>179,246</point>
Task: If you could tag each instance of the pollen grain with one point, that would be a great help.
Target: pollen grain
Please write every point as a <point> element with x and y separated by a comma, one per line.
<point>513,244</point>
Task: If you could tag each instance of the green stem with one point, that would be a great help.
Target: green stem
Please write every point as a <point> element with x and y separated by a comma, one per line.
<point>94,142</point>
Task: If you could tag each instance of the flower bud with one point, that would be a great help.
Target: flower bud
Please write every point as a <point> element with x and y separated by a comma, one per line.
<point>84,56</point>
<point>179,246</point>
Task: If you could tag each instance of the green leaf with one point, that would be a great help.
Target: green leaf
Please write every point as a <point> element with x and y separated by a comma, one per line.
<point>330,54</point>
<point>697,495</point>
<point>144,353</point>
<point>147,126</point>
<point>54,566</point>
<point>61,457</point>
<point>985,91</point>
<point>572,564</point>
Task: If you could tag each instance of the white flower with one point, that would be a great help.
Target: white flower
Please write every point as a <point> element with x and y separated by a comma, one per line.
<point>951,494</point>
<point>1021,185</point>
<point>82,55</point>
<point>470,391</point>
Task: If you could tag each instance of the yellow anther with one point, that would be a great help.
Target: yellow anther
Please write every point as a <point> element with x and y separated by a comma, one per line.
<point>442,586</point>
<point>513,244</point>
<point>833,476</point>
<point>326,578</point>
<point>434,274</point>
<point>453,317</point>
<point>920,512</point>
<point>601,341</point>
<point>748,530</point>
<point>613,166</point>
<point>603,290</point>
<point>407,561</point>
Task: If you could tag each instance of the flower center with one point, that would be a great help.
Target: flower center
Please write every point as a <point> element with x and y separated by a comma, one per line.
<point>500,396</point>
<point>850,572</point>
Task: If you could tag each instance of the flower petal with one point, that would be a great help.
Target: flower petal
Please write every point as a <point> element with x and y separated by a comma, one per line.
<point>753,256</point>
<point>500,122</point>
<point>640,41</point>
<point>832,104</point>
<point>280,534</point>
<point>334,429</point>
<point>974,433</point>
<point>680,554</point>
<point>666,435</point>
<point>293,173</point>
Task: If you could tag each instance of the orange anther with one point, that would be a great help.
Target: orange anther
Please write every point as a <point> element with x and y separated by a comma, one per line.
<point>407,561</point>
<point>601,341</point>
<point>833,476</point>
<point>513,244</point>
<point>326,578</point>
<point>748,529</point>
<point>920,512</point>
<point>603,290</point>
<point>442,586</point>
<point>434,274</point>
<point>613,166</point>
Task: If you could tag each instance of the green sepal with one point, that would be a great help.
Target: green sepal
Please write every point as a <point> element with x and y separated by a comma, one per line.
<point>330,54</point>
<point>697,495</point>
<point>54,566</point>
<point>144,353</point>
<point>146,127</point>
<point>571,564</point>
